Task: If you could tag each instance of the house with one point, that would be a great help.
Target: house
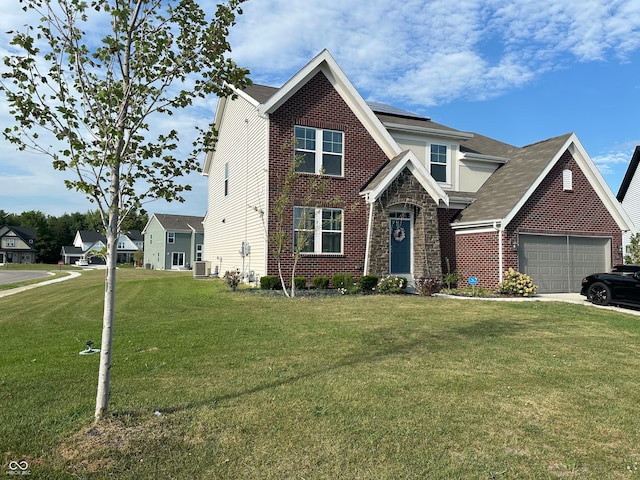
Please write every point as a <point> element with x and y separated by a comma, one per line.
<point>629,196</point>
<point>173,242</point>
<point>401,193</point>
<point>87,246</point>
<point>17,244</point>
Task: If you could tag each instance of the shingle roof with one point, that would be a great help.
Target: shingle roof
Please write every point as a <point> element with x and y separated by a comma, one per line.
<point>180,222</point>
<point>505,188</point>
<point>90,236</point>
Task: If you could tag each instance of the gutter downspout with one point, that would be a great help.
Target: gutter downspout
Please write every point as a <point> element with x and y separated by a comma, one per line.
<point>367,250</point>
<point>500,254</point>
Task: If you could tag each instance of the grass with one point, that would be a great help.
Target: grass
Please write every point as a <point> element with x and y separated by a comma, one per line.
<point>371,387</point>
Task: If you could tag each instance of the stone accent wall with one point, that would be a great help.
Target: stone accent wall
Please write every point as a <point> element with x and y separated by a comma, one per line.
<point>406,192</point>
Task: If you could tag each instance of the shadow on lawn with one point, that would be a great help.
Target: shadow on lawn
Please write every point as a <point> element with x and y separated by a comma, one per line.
<point>376,345</point>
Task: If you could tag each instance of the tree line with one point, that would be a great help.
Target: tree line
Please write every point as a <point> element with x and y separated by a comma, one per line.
<point>52,233</point>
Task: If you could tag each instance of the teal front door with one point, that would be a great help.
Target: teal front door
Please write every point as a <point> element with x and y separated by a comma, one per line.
<point>400,246</point>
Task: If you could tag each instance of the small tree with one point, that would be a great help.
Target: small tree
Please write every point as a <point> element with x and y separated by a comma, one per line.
<point>96,103</point>
<point>633,250</point>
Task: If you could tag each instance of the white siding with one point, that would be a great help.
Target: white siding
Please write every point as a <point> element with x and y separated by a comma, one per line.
<point>232,218</point>
<point>631,205</point>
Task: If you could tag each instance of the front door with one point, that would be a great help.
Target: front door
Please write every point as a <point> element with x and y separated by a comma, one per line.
<point>400,243</point>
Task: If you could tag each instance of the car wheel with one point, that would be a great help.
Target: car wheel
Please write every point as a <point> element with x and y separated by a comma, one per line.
<point>599,294</point>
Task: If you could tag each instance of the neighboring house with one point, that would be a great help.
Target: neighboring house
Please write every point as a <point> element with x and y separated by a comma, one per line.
<point>17,244</point>
<point>629,196</point>
<point>87,245</point>
<point>415,197</point>
<point>173,242</point>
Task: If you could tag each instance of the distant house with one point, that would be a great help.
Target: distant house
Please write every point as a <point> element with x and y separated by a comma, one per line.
<point>173,242</point>
<point>404,195</point>
<point>17,244</point>
<point>629,196</point>
<point>87,244</point>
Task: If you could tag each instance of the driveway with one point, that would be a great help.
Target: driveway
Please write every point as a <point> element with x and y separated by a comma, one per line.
<point>15,276</point>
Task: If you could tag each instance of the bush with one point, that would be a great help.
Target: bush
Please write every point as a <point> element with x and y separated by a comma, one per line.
<point>427,285</point>
<point>300,283</point>
<point>342,280</point>
<point>518,284</point>
<point>232,279</point>
<point>392,284</point>
<point>270,282</point>
<point>367,283</point>
<point>321,282</point>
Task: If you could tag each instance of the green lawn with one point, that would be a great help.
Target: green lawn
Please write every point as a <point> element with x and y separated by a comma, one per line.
<point>249,386</point>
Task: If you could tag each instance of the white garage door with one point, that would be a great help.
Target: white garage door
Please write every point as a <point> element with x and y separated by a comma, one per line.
<point>557,264</point>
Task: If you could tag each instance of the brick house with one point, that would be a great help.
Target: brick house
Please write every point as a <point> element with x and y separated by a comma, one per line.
<point>403,195</point>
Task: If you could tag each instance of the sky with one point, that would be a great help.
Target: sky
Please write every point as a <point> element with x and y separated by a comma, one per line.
<point>519,71</point>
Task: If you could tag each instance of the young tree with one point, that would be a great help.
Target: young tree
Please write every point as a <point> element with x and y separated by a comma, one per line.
<point>100,103</point>
<point>633,250</point>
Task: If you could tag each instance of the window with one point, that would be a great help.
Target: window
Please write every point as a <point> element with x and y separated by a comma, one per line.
<point>121,245</point>
<point>226,179</point>
<point>319,228</point>
<point>199,253</point>
<point>567,180</point>
<point>11,242</point>
<point>439,162</point>
<point>319,151</point>
<point>171,237</point>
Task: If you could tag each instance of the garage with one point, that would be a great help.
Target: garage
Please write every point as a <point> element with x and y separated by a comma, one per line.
<point>558,263</point>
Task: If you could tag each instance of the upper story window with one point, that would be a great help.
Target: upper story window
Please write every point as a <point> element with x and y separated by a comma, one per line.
<point>171,237</point>
<point>11,242</point>
<point>319,228</point>
<point>439,166</point>
<point>319,151</point>
<point>121,244</point>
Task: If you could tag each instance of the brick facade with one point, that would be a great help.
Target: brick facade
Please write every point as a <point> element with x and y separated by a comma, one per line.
<point>549,211</point>
<point>317,104</point>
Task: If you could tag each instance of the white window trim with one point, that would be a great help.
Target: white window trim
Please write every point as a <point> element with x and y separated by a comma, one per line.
<point>448,181</point>
<point>318,152</point>
<point>318,230</point>
<point>171,237</point>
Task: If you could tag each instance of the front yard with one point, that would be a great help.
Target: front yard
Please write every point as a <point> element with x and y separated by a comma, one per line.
<point>207,383</point>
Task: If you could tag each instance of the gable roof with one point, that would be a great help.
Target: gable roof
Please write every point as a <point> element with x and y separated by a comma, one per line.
<point>184,223</point>
<point>393,168</point>
<point>26,234</point>
<point>506,191</point>
<point>628,176</point>
<point>91,236</point>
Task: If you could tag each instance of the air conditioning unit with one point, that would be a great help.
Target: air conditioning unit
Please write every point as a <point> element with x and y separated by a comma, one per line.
<point>201,269</point>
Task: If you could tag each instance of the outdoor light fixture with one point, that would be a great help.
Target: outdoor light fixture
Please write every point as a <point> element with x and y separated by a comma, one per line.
<point>514,246</point>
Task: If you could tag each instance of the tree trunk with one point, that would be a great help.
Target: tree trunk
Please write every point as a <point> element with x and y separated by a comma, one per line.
<point>104,373</point>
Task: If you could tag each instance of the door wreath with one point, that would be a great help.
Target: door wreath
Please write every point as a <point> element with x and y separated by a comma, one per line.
<point>399,234</point>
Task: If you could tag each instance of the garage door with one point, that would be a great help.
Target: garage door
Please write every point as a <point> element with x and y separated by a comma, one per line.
<point>557,264</point>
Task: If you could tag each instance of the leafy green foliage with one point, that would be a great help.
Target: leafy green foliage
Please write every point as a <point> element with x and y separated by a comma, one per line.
<point>633,250</point>
<point>392,284</point>
<point>321,282</point>
<point>427,285</point>
<point>368,283</point>
<point>301,283</point>
<point>342,280</point>
<point>232,279</point>
<point>270,282</point>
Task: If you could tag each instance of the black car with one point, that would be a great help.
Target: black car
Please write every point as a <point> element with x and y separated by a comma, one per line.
<point>619,287</point>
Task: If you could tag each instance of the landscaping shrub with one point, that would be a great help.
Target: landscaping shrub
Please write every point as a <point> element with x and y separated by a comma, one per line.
<point>342,280</point>
<point>368,283</point>
<point>392,284</point>
<point>270,282</point>
<point>232,279</point>
<point>518,284</point>
<point>321,282</point>
<point>300,283</point>
<point>428,285</point>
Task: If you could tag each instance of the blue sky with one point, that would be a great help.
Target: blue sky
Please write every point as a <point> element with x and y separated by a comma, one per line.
<point>518,71</point>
